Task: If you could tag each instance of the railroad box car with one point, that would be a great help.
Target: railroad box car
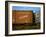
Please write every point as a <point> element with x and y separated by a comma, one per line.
<point>22,17</point>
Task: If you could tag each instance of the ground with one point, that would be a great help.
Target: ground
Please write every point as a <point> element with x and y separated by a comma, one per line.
<point>24,27</point>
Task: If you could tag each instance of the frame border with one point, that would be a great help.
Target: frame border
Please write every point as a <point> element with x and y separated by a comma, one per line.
<point>6,18</point>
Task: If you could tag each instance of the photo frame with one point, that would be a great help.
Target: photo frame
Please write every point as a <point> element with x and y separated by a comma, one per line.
<point>24,18</point>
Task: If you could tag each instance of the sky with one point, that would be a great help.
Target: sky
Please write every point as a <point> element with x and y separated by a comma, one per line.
<point>34,9</point>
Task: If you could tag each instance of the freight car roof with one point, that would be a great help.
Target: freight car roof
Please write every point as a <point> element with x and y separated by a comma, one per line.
<point>23,10</point>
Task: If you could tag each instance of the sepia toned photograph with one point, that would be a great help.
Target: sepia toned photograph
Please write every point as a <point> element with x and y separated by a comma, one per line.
<point>24,18</point>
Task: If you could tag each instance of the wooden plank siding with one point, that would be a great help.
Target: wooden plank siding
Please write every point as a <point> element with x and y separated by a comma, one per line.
<point>22,17</point>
